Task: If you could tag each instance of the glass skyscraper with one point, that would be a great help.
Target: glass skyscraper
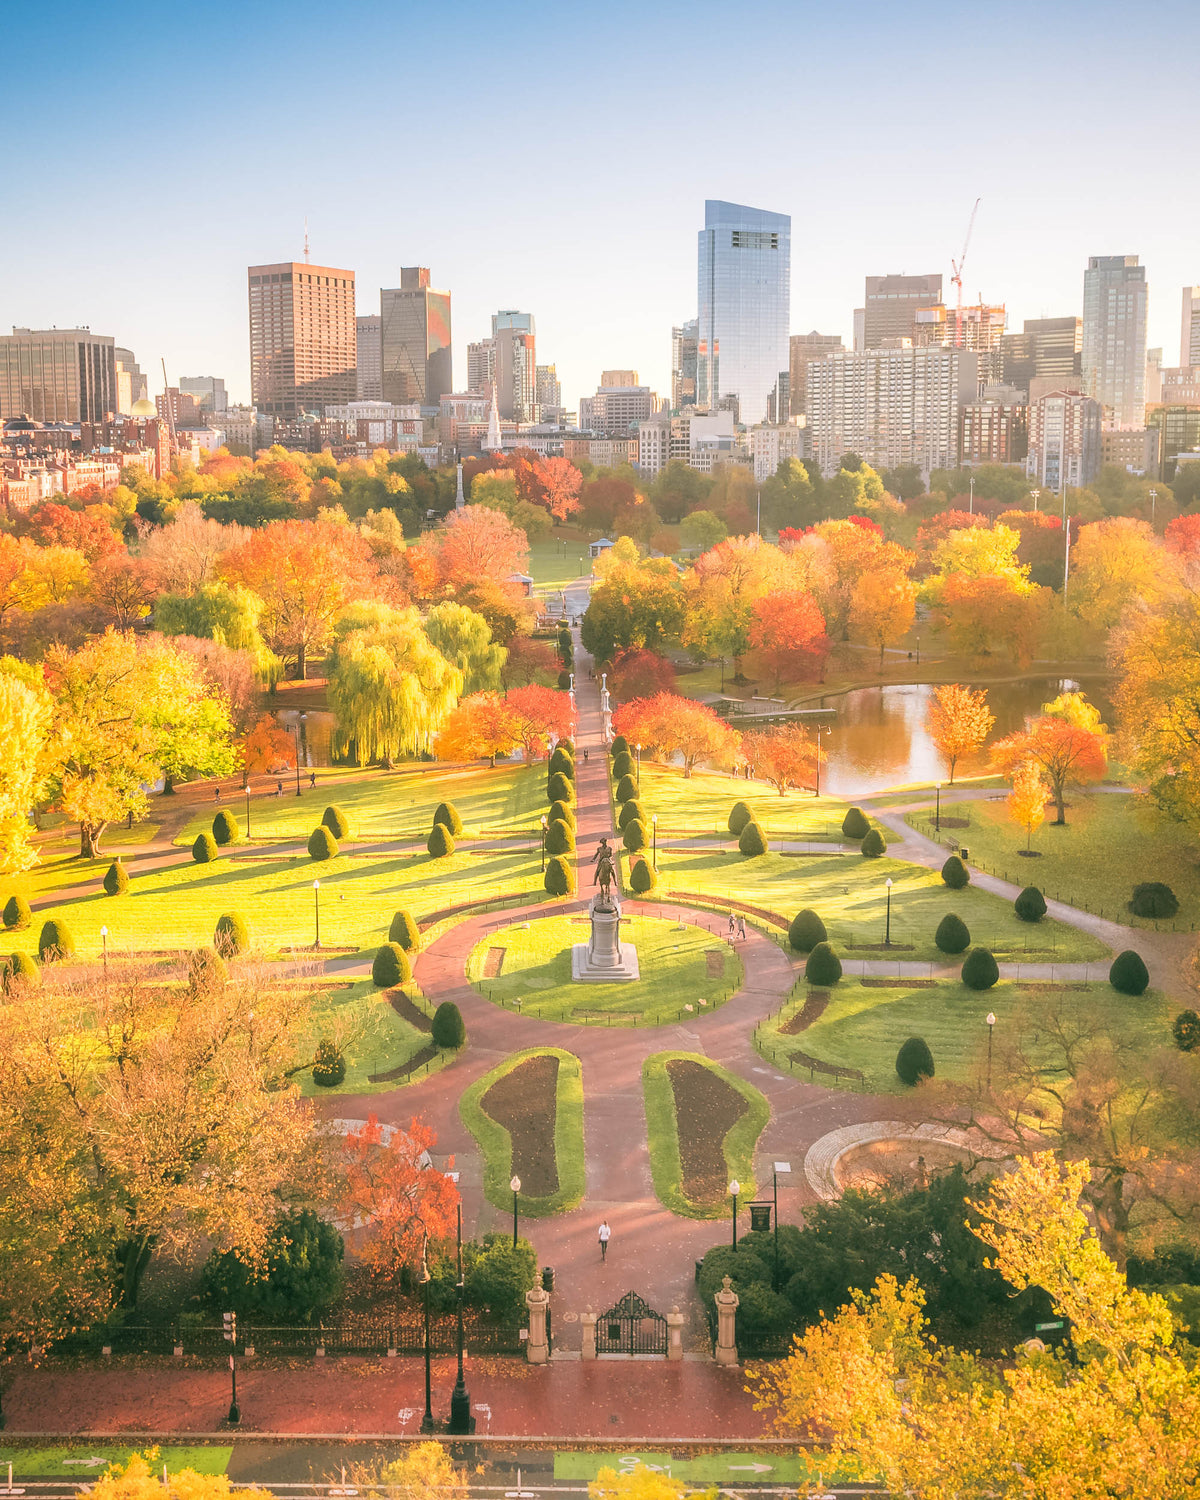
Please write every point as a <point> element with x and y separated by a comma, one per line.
<point>1114,338</point>
<point>743,301</point>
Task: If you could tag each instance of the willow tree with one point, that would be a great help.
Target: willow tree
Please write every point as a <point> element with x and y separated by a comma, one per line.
<point>464,638</point>
<point>390,689</point>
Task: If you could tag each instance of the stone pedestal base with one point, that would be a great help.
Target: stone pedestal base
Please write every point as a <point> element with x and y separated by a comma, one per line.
<point>585,971</point>
<point>605,959</point>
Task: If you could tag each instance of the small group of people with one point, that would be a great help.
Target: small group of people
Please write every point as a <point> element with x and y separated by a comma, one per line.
<point>737,926</point>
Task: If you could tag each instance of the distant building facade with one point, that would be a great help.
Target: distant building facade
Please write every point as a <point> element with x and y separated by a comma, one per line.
<point>369,365</point>
<point>891,304</point>
<point>57,375</point>
<point>1131,449</point>
<point>615,410</point>
<point>803,348</point>
<point>683,364</point>
<point>1189,333</point>
<point>303,341</point>
<point>415,353</point>
<point>1115,305</point>
<point>209,390</point>
<point>1046,349</point>
<point>995,428</point>
<point>1064,441</point>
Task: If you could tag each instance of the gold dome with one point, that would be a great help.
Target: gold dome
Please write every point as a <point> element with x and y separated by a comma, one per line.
<point>142,409</point>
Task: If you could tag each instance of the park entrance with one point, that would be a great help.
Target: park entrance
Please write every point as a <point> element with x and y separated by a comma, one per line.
<point>631,1327</point>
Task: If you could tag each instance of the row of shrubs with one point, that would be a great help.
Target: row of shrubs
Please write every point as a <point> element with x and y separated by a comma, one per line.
<point>559,879</point>
<point>632,819</point>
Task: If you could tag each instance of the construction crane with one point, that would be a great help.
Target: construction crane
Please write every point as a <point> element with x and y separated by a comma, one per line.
<point>957,267</point>
<point>170,406</point>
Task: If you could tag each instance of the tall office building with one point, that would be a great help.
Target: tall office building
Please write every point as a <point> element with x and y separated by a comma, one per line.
<point>209,390</point>
<point>683,364</point>
<point>616,409</point>
<point>803,348</point>
<point>57,375</point>
<point>549,388</point>
<point>369,369</point>
<point>1189,337</point>
<point>516,374</point>
<point>415,340</point>
<point>481,365</point>
<point>1064,441</point>
<point>744,298</point>
<point>131,383</point>
<point>302,338</point>
<point>1114,337</point>
<point>1047,349</point>
<point>891,305</point>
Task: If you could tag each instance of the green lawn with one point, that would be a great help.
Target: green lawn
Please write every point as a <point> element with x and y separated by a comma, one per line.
<point>864,1027</point>
<point>849,895</point>
<point>556,562</point>
<point>178,907</point>
<point>1111,843</point>
<point>78,1461</point>
<point>372,1038</point>
<point>536,968</point>
<point>396,804</point>
<point>700,804</point>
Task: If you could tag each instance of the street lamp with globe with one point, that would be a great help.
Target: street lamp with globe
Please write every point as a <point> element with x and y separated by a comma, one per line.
<point>515,1184</point>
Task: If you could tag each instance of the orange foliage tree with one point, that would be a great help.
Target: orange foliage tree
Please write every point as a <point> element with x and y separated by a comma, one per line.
<point>527,661</point>
<point>882,607</point>
<point>477,543</point>
<point>787,629</point>
<point>393,1189</point>
<point>639,673</point>
<point>668,725</point>
<point>89,531</point>
<point>538,714</point>
<point>988,616</point>
<point>1069,755</point>
<point>786,757</point>
<point>267,746</point>
<point>481,725</point>
<point>958,720</point>
<point>1182,536</point>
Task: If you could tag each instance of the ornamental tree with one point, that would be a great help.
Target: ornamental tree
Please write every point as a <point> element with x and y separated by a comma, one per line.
<point>667,725</point>
<point>637,672</point>
<point>392,1187</point>
<point>1066,754</point>
<point>1026,802</point>
<point>539,714</point>
<point>958,720</point>
<point>882,608</point>
<point>988,616</point>
<point>25,715</point>
<point>464,638</point>
<point>481,725</point>
<point>787,629</point>
<point>786,756</point>
<point>477,543</point>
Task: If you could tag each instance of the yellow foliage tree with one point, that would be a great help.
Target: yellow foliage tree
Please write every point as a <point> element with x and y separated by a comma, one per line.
<point>639,1483</point>
<point>1027,801</point>
<point>24,724</point>
<point>139,1480</point>
<point>959,720</point>
<point>424,1472</point>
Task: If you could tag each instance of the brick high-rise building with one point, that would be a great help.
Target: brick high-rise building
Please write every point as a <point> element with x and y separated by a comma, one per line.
<point>57,375</point>
<point>891,305</point>
<point>803,348</point>
<point>416,355</point>
<point>303,342</point>
<point>1064,440</point>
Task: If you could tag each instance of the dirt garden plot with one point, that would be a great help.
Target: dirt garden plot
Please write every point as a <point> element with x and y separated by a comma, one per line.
<point>524,1102</point>
<point>706,1107</point>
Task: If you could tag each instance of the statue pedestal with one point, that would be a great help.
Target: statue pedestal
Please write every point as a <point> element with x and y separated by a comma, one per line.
<point>604,959</point>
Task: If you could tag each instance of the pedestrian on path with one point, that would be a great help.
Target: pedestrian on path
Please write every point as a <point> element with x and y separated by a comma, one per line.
<point>741,927</point>
<point>732,926</point>
<point>605,1236</point>
<point>216,794</point>
<point>312,778</point>
<point>585,755</point>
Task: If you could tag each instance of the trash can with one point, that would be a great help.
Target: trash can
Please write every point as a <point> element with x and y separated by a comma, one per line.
<point>964,854</point>
<point>548,1278</point>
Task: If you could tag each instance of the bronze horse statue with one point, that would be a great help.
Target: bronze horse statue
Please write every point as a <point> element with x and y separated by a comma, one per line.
<point>605,874</point>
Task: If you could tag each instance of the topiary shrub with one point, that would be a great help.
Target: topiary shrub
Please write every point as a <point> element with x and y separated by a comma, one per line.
<point>404,931</point>
<point>561,812</point>
<point>561,788</point>
<point>322,844</point>
<point>225,827</point>
<point>952,935</point>
<point>642,878</point>
<point>806,931</point>
<point>329,1066</point>
<point>336,821</point>
<point>440,841</point>
<point>301,1277</point>
<point>560,839</point>
<point>562,760</point>
<point>1153,899</point>
<point>20,972</point>
<point>823,966</point>
<point>116,879</point>
<point>634,835</point>
<point>1186,1029</point>
<point>1030,905</point>
<point>740,814</point>
<point>623,765</point>
<point>568,745</point>
<point>390,967</point>
<point>627,790</point>
<point>449,1029</point>
<point>447,815</point>
<point>874,844</point>
<point>955,873</point>
<point>619,743</point>
<point>752,840</point>
<point>914,1061</point>
<point>17,913</point>
<point>855,824</point>
<point>206,971</point>
<point>560,876</point>
<point>55,941</point>
<point>1129,975</point>
<point>629,811</point>
<point>232,936</point>
<point>980,971</point>
<point>564,678</point>
<point>204,850</point>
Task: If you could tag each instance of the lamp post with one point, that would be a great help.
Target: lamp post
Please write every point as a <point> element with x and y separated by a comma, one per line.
<point>972,494</point>
<point>104,940</point>
<point>918,651</point>
<point>654,832</point>
<point>991,1026</point>
<point>780,1166</point>
<point>887,933</point>
<point>317,911</point>
<point>427,1419</point>
<point>515,1184</point>
<point>247,809</point>
<point>460,1401</point>
<point>639,763</point>
<point>543,843</point>
<point>821,729</point>
<point>1153,506</point>
<point>735,1188</point>
<point>296,732</point>
<point>937,817</point>
<point>1036,495</point>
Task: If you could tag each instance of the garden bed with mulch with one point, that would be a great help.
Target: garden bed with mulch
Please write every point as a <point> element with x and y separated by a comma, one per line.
<point>406,1070</point>
<point>803,1019</point>
<point>705,1110</point>
<point>524,1102</point>
<point>409,1012</point>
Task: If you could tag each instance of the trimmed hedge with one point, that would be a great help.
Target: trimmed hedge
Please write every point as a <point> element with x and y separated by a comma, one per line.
<point>561,788</point>
<point>560,838</point>
<point>634,835</point>
<point>55,941</point>
<point>116,879</point>
<point>206,971</point>
<point>823,966</point>
<point>914,1061</point>
<point>619,743</point>
<point>17,913</point>
<point>564,678</point>
<point>563,761</point>
<point>329,1066</point>
<point>19,971</point>
<point>874,844</point>
<point>980,971</point>
<point>952,935</point>
<point>1186,1029</point>
<point>404,931</point>
<point>336,821</point>
<point>855,824</point>
<point>561,812</point>
<point>806,931</point>
<point>1129,974</point>
<point>623,764</point>
<point>1153,899</point>
<point>629,811</point>
<point>440,841</point>
<point>204,850</point>
<point>627,790</point>
<point>322,844</point>
<point>740,814</point>
<point>390,967</point>
<point>1030,905</point>
<point>642,878</point>
<point>752,840</point>
<point>447,815</point>
<point>559,879</point>
<point>225,827</point>
<point>568,745</point>
<point>955,873</point>
<point>232,935</point>
<point>449,1029</point>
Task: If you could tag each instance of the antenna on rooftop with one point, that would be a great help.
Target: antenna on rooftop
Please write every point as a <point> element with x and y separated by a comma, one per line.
<point>306,239</point>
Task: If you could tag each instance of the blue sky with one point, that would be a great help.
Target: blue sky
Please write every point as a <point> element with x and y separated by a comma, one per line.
<point>555,158</point>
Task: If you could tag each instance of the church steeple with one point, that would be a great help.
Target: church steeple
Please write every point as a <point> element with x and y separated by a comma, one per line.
<point>459,499</point>
<point>494,443</point>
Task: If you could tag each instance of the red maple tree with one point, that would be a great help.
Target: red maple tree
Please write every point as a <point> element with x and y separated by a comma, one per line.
<point>392,1189</point>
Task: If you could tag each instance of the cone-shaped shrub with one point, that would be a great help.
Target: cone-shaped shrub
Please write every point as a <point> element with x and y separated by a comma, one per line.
<point>1129,974</point>
<point>955,873</point>
<point>855,824</point>
<point>806,931</point>
<point>752,840</point>
<point>623,765</point>
<point>329,1066</point>
<point>823,966</point>
<point>322,844</point>
<point>619,743</point>
<point>448,1028</point>
<point>19,971</point>
<point>740,814</point>
<point>336,821</point>
<point>1153,899</point>
<point>55,941</point>
<point>1186,1029</point>
<point>627,789</point>
<point>568,745</point>
<point>447,816</point>
<point>564,678</point>
<point>561,788</point>
<point>225,827</point>
<point>914,1061</point>
<point>561,812</point>
<point>17,913</point>
<point>634,835</point>
<point>116,879</point>
<point>232,936</point>
<point>404,931</point>
<point>440,841</point>
<point>952,935</point>
<point>560,839</point>
<point>1030,905</point>
<point>206,971</point>
<point>204,850</point>
<point>874,844</point>
<point>562,760</point>
<point>642,877</point>
<point>390,967</point>
<point>560,876</point>
<point>629,811</point>
<point>980,971</point>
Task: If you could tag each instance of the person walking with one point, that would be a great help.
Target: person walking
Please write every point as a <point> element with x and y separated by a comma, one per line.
<point>741,927</point>
<point>732,926</point>
<point>605,1236</point>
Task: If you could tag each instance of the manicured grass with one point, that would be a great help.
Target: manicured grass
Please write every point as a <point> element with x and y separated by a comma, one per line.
<point>372,1038</point>
<point>700,804</point>
<point>864,1027</point>
<point>29,1463</point>
<point>1112,842</point>
<point>848,893</point>
<point>496,1144</point>
<point>178,907</point>
<point>673,972</point>
<point>663,1136</point>
<point>395,804</point>
<point>554,563</point>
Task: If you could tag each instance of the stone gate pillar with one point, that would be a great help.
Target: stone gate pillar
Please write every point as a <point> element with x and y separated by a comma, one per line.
<point>727,1305</point>
<point>587,1324</point>
<point>674,1334</point>
<point>537,1349</point>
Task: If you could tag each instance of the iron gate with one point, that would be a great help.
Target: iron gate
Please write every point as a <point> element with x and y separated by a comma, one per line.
<point>631,1327</point>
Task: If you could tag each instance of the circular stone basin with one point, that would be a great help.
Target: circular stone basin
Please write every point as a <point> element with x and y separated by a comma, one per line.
<point>685,971</point>
<point>895,1163</point>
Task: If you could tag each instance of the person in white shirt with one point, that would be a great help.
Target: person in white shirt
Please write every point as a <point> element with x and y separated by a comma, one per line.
<point>605,1236</point>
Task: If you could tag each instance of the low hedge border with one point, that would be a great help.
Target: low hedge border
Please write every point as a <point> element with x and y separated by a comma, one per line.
<point>496,1144</point>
